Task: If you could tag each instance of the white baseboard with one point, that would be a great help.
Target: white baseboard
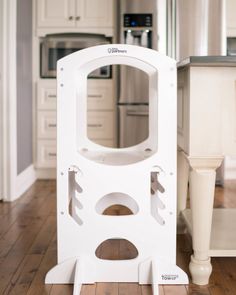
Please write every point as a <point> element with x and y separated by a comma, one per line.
<point>23,181</point>
<point>230,168</point>
<point>46,173</point>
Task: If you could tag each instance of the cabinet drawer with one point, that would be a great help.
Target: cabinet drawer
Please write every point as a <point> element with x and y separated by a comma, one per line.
<point>106,142</point>
<point>46,154</point>
<point>47,125</point>
<point>100,125</point>
<point>100,95</point>
<point>47,95</point>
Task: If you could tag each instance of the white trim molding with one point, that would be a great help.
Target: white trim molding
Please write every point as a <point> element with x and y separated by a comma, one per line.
<point>9,98</point>
<point>23,181</point>
<point>13,185</point>
<point>229,168</point>
<point>1,101</point>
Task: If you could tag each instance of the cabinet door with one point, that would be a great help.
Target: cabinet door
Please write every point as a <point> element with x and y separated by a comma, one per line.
<point>46,154</point>
<point>94,13</point>
<point>100,125</point>
<point>231,18</point>
<point>56,13</point>
<point>100,94</point>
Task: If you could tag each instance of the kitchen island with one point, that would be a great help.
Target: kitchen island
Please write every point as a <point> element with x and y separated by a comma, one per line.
<point>206,133</point>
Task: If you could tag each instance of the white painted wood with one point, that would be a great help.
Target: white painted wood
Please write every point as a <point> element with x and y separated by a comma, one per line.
<point>46,94</point>
<point>46,154</point>
<point>229,168</point>
<point>78,15</point>
<point>78,276</point>
<point>223,238</point>
<point>107,31</point>
<point>90,13</point>
<point>101,118</point>
<point>101,94</point>
<point>55,13</point>
<point>46,173</point>
<point>209,119</point>
<point>154,270</point>
<point>211,93</point>
<point>125,171</point>
<point>100,125</point>
<point>1,103</point>
<point>231,18</point>
<point>183,108</point>
<point>47,125</point>
<point>202,185</point>
<point>9,147</point>
<point>182,181</point>
<point>24,180</point>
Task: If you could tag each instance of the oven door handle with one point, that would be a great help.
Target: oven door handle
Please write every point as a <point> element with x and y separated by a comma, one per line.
<point>140,114</point>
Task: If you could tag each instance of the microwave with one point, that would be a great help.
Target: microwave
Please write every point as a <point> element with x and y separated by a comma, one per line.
<point>54,47</point>
<point>231,46</point>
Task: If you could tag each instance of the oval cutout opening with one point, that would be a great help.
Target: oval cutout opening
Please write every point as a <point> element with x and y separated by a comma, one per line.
<point>116,249</point>
<point>116,198</point>
<point>117,210</point>
<point>132,128</point>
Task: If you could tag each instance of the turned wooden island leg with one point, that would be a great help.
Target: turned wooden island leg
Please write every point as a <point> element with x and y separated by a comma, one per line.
<point>202,188</point>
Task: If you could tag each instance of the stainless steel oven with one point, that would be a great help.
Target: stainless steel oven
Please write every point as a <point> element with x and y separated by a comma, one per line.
<point>54,47</point>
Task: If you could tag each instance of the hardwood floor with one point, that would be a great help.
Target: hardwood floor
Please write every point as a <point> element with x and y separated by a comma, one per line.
<point>28,250</point>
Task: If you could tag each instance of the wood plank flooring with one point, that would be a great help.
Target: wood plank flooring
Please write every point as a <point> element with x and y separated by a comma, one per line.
<point>28,250</point>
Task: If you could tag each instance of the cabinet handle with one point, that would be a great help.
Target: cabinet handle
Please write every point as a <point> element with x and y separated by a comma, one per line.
<point>70,17</point>
<point>95,95</point>
<point>77,18</point>
<point>52,125</point>
<point>52,96</point>
<point>94,125</point>
<point>130,113</point>
<point>52,154</point>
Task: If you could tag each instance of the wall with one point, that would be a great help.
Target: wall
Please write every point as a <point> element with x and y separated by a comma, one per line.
<point>24,85</point>
<point>1,103</point>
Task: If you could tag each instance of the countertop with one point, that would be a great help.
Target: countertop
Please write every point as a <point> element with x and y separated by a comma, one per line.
<point>206,61</point>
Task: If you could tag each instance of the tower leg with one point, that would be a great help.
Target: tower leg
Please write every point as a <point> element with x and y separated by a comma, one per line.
<point>155,286</point>
<point>78,277</point>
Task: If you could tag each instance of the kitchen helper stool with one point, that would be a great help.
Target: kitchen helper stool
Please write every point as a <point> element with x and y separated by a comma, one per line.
<point>91,178</point>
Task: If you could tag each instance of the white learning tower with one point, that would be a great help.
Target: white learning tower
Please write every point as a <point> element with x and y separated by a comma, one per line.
<point>91,178</point>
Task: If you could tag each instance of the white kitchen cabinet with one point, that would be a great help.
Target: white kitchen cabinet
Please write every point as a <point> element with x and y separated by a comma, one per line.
<point>206,133</point>
<point>231,18</point>
<point>100,125</point>
<point>47,95</point>
<point>46,125</point>
<point>55,13</point>
<point>94,13</point>
<point>100,94</point>
<point>101,118</point>
<point>74,13</point>
<point>46,154</point>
